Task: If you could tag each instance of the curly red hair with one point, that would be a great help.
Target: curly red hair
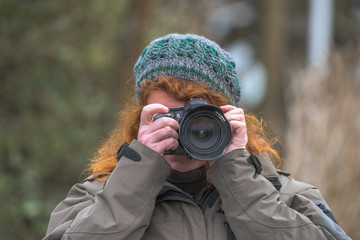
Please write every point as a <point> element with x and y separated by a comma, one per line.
<point>104,160</point>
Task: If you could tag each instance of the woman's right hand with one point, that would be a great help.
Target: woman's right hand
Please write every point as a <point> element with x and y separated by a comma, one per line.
<point>159,135</point>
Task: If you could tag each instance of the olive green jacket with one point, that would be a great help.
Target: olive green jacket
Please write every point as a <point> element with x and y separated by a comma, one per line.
<point>137,203</point>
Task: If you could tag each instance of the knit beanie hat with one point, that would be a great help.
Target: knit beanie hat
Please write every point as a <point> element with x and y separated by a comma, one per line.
<point>191,57</point>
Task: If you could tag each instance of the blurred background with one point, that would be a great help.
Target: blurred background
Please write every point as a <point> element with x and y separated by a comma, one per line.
<point>66,71</point>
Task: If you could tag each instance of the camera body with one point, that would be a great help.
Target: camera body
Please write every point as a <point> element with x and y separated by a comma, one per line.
<point>204,131</point>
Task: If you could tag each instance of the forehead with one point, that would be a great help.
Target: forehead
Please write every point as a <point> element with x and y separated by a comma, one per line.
<point>160,96</point>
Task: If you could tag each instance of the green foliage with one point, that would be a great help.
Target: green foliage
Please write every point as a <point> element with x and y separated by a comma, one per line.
<point>64,68</point>
<point>57,96</point>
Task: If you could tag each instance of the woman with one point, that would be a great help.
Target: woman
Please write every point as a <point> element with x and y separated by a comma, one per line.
<point>140,191</point>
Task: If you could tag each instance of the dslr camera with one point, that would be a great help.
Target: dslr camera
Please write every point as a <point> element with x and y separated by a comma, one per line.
<point>204,131</point>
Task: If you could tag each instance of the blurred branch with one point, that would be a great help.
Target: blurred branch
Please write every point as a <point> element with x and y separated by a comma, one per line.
<point>273,52</point>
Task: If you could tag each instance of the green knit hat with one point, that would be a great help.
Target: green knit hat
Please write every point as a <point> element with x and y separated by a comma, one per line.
<point>191,57</point>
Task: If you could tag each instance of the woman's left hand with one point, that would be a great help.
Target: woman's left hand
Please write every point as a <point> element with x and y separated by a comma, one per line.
<point>236,117</point>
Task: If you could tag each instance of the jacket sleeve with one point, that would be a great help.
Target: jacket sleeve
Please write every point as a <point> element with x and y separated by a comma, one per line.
<point>120,209</point>
<point>254,208</point>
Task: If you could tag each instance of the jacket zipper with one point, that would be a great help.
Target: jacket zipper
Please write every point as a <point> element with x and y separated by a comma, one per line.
<point>170,193</point>
<point>207,199</point>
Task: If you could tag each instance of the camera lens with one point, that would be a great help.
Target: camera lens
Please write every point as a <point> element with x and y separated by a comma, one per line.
<point>203,132</point>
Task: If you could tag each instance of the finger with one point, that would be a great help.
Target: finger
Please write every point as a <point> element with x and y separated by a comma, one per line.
<point>152,127</point>
<point>233,110</point>
<point>165,121</point>
<point>166,144</point>
<point>227,108</point>
<point>237,124</point>
<point>236,117</point>
<point>150,110</point>
<point>159,135</point>
<point>171,144</point>
<point>235,114</point>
